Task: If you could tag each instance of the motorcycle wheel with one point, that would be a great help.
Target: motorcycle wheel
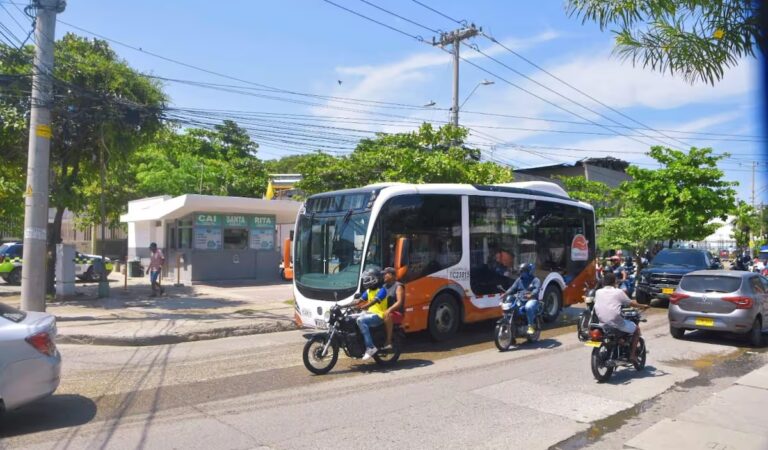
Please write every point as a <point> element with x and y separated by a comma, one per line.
<point>314,360</point>
<point>504,335</point>
<point>390,357</point>
<point>640,364</point>
<point>599,369</point>
<point>582,326</point>
<point>537,335</point>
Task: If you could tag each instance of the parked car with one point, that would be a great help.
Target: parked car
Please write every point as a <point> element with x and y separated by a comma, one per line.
<point>87,267</point>
<point>720,300</point>
<point>10,262</point>
<point>30,363</point>
<point>663,274</point>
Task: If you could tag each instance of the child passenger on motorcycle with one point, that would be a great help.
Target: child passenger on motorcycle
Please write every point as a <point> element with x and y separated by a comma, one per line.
<point>608,304</point>
<point>374,300</point>
<point>531,285</point>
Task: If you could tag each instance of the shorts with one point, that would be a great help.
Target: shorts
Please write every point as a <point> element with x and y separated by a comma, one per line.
<point>397,317</point>
<point>154,276</point>
<point>628,327</point>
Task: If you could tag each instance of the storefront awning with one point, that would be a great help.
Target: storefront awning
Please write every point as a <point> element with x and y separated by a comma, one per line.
<point>166,208</point>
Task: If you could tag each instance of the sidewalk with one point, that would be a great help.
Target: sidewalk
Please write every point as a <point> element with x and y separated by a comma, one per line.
<point>189,313</point>
<point>731,419</point>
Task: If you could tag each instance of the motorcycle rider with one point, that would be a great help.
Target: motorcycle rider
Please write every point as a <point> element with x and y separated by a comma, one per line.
<point>528,283</point>
<point>374,300</point>
<point>618,271</point>
<point>608,304</point>
<point>629,270</point>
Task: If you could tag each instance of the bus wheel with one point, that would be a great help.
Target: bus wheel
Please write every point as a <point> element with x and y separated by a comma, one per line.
<point>553,301</point>
<point>443,317</point>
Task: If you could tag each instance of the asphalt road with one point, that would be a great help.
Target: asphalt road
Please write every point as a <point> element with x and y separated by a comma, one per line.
<point>253,391</point>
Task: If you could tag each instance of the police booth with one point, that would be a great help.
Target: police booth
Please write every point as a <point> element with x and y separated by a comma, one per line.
<point>211,238</point>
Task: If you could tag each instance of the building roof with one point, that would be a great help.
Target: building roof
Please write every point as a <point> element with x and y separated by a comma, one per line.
<point>159,208</point>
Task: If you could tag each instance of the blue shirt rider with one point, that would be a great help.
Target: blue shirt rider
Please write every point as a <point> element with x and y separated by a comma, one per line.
<point>530,285</point>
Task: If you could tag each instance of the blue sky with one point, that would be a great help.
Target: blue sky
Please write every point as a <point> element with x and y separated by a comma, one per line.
<point>308,46</point>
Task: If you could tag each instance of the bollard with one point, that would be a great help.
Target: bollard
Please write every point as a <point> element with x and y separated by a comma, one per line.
<point>178,271</point>
<point>125,281</point>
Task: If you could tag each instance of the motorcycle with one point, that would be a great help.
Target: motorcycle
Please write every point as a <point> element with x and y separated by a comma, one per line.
<point>611,347</point>
<point>322,349</point>
<point>514,323</point>
<point>587,316</point>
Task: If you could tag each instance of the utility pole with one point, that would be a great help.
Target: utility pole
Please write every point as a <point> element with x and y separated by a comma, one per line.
<point>33,272</point>
<point>754,165</point>
<point>454,38</point>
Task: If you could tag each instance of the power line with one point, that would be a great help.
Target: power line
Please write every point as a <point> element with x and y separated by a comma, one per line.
<point>460,22</point>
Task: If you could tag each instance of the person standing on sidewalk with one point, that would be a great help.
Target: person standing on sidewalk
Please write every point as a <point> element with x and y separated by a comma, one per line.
<point>156,261</point>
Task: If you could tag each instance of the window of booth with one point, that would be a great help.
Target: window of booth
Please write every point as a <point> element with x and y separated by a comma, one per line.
<point>235,238</point>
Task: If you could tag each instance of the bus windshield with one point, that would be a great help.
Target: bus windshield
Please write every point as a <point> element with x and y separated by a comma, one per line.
<point>329,251</point>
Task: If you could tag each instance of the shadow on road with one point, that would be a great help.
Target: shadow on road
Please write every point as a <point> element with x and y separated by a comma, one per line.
<point>626,375</point>
<point>57,411</point>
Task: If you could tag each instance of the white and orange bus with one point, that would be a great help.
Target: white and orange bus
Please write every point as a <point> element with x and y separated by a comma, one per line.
<point>454,246</point>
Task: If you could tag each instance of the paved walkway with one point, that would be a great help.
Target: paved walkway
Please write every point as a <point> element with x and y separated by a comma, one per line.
<point>133,317</point>
<point>731,419</point>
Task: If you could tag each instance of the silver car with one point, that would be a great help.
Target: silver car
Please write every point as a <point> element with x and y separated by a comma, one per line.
<point>30,363</point>
<point>720,300</point>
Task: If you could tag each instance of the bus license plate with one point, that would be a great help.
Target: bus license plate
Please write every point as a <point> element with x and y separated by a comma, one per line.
<point>320,323</point>
<point>705,322</point>
<point>592,344</point>
<point>667,290</point>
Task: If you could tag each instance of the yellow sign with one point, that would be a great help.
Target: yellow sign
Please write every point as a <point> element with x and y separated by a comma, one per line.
<point>29,190</point>
<point>43,131</point>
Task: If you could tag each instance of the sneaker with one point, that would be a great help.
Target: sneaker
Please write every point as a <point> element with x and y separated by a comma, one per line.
<point>162,291</point>
<point>387,347</point>
<point>531,330</point>
<point>369,353</point>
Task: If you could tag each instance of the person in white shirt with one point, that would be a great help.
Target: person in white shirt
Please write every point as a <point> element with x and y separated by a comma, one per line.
<point>608,303</point>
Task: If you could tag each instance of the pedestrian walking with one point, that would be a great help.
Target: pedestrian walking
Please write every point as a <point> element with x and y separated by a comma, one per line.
<point>156,261</point>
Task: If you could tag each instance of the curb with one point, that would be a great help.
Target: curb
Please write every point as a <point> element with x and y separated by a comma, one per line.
<point>164,339</point>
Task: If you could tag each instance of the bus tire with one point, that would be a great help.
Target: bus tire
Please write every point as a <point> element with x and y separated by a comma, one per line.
<point>553,301</point>
<point>444,317</point>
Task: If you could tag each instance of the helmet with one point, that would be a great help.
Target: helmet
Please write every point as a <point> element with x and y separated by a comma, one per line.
<point>371,278</point>
<point>525,268</point>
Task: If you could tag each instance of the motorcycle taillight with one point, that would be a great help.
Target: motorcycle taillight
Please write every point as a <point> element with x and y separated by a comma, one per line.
<point>596,334</point>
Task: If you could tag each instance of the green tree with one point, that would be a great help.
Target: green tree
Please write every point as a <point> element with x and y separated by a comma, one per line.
<point>427,155</point>
<point>746,224</point>
<point>596,193</point>
<point>635,230</point>
<point>221,161</point>
<point>98,99</point>
<point>689,189</point>
<point>697,39</point>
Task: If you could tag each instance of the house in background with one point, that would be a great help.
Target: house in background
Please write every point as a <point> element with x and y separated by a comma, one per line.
<point>608,170</point>
<point>282,186</point>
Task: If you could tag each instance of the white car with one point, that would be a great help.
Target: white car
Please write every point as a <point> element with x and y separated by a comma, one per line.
<point>30,363</point>
<point>87,267</point>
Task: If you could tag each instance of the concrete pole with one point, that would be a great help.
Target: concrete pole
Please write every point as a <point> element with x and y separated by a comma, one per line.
<point>455,108</point>
<point>33,273</point>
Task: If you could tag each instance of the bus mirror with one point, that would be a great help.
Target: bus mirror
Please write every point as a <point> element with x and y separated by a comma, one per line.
<point>290,235</point>
<point>401,258</point>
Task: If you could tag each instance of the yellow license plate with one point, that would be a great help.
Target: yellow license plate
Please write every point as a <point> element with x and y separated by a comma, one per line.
<point>592,344</point>
<point>667,290</point>
<point>705,322</point>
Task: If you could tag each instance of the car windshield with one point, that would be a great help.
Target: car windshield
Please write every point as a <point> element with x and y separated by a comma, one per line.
<point>710,283</point>
<point>679,258</point>
<point>4,248</point>
<point>12,314</point>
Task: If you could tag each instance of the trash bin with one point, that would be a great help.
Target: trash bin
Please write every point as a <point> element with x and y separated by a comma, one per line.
<point>136,270</point>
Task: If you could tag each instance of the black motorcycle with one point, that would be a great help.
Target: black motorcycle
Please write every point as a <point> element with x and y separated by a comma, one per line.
<point>587,316</point>
<point>514,323</point>
<point>322,349</point>
<point>611,347</point>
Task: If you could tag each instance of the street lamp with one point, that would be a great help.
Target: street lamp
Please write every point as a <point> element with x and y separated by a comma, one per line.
<point>482,83</point>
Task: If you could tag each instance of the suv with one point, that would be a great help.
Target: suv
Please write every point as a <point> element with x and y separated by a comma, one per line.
<point>662,276</point>
<point>10,262</point>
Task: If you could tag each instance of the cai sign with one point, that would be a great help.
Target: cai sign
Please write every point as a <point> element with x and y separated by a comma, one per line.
<point>207,220</point>
<point>235,221</point>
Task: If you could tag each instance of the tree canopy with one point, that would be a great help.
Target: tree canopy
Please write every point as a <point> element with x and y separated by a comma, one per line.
<point>698,39</point>
<point>596,193</point>
<point>689,189</point>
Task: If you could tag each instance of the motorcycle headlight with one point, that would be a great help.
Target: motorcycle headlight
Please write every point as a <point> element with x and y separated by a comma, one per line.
<point>506,306</point>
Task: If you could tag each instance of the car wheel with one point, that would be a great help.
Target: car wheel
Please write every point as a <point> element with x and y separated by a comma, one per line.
<point>14,277</point>
<point>642,297</point>
<point>676,333</point>
<point>553,301</point>
<point>443,317</point>
<point>756,333</point>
